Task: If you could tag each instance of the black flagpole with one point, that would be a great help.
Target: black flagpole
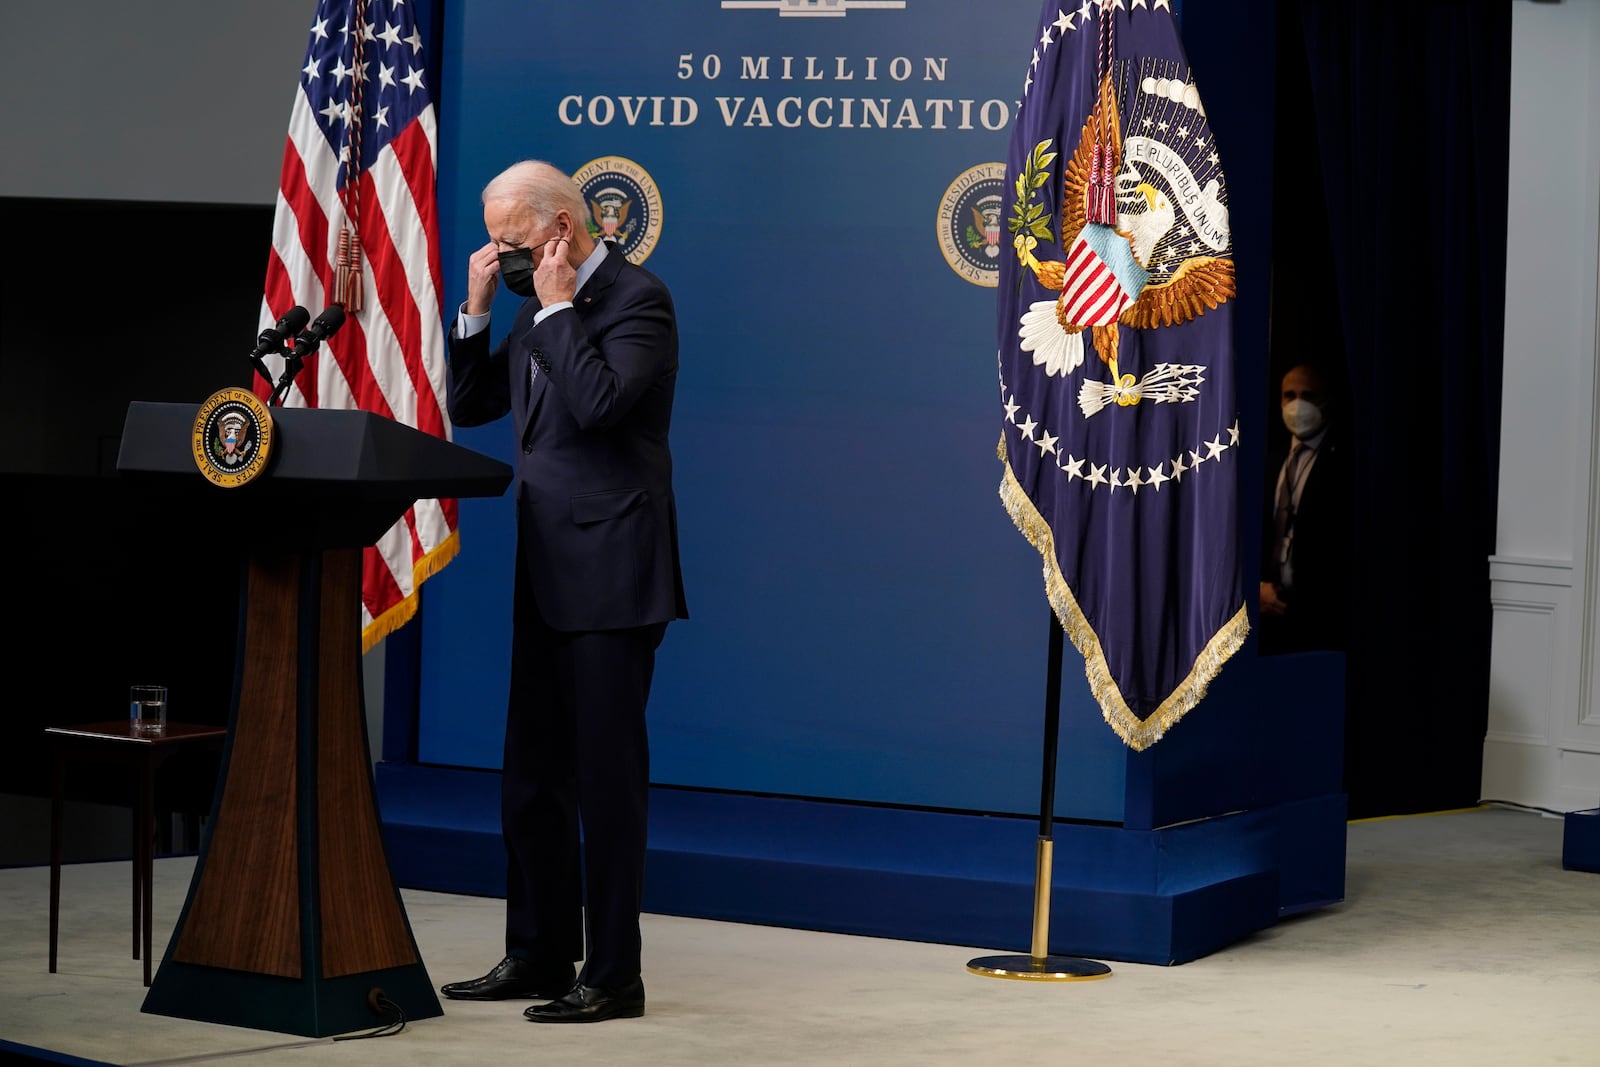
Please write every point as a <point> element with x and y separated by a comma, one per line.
<point>1040,965</point>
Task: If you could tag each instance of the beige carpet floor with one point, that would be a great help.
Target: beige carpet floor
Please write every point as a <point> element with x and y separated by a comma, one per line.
<point>1461,941</point>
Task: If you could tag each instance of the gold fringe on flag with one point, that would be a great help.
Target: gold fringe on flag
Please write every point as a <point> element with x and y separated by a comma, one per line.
<point>347,261</point>
<point>1138,734</point>
<point>403,612</point>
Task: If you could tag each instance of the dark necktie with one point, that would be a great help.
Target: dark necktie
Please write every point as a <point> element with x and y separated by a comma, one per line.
<point>1285,504</point>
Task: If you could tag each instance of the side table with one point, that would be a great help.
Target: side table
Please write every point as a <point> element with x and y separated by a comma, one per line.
<point>114,742</point>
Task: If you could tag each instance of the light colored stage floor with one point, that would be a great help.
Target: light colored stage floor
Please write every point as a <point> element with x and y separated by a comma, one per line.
<point>1461,941</point>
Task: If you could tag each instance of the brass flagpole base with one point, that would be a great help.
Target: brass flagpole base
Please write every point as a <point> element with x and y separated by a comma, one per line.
<point>1041,966</point>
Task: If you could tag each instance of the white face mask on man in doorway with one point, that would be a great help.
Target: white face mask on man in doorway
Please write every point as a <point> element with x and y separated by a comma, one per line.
<point>1302,417</point>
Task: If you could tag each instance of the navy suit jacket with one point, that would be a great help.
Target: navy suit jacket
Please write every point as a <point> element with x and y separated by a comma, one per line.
<point>1318,614</point>
<point>597,522</point>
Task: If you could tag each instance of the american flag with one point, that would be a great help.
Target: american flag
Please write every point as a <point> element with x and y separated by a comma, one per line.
<point>357,224</point>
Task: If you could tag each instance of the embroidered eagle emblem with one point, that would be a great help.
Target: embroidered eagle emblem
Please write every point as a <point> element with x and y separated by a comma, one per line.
<point>1165,262</point>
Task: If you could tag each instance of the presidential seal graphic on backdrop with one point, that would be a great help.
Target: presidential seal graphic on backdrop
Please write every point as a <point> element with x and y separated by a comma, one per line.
<point>232,437</point>
<point>624,205</point>
<point>968,223</point>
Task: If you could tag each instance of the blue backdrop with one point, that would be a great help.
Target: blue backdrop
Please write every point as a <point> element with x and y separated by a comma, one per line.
<point>866,623</point>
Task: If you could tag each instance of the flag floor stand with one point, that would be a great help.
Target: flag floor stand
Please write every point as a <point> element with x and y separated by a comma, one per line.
<point>1040,966</point>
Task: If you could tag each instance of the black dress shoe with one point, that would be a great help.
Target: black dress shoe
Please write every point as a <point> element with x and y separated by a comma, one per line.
<point>513,979</point>
<point>587,1004</point>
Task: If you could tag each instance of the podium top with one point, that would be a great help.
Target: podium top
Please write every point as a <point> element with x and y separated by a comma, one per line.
<point>335,478</point>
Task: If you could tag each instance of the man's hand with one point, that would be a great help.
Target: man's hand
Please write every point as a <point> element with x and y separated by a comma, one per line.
<point>554,279</point>
<point>1271,603</point>
<point>483,278</point>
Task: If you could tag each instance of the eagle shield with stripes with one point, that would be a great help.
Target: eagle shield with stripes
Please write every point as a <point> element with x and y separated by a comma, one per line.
<point>1157,254</point>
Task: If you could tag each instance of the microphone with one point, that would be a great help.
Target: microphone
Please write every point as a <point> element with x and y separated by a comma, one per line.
<point>321,328</point>
<point>271,339</point>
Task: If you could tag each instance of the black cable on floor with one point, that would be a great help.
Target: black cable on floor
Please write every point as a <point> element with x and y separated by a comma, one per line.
<point>396,1023</point>
<point>1525,807</point>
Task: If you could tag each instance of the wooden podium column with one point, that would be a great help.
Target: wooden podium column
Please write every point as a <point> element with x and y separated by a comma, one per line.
<point>364,927</point>
<point>293,918</point>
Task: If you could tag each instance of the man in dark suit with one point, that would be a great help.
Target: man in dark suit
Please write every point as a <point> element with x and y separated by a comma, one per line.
<point>1306,540</point>
<point>587,373</point>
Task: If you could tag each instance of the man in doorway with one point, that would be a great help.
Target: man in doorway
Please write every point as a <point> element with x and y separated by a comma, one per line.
<point>1307,539</point>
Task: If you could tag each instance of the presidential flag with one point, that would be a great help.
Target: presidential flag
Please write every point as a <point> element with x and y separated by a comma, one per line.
<point>357,225</point>
<point>1115,346</point>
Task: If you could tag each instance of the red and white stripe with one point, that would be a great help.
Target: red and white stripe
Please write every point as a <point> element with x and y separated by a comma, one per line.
<point>1090,292</point>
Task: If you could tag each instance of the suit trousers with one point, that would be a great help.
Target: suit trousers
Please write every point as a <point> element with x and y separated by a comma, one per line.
<point>574,792</point>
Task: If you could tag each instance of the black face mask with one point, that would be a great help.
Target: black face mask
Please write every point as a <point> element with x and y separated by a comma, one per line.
<point>516,270</point>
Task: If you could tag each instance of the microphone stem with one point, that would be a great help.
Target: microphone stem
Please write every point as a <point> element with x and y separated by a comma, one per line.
<point>291,367</point>
<point>261,369</point>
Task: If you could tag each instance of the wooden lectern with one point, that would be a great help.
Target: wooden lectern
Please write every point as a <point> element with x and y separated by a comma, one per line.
<point>293,922</point>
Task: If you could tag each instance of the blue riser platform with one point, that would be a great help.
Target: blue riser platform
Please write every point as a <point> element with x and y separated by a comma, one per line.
<point>1160,896</point>
<point>1580,841</point>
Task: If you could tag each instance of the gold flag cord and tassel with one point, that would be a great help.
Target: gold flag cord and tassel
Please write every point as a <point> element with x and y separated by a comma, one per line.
<point>347,270</point>
<point>1101,198</point>
<point>347,255</point>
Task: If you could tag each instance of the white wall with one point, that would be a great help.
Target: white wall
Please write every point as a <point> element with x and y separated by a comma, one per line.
<point>1543,741</point>
<point>172,100</point>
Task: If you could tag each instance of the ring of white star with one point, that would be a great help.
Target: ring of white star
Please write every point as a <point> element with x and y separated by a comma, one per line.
<point>1131,478</point>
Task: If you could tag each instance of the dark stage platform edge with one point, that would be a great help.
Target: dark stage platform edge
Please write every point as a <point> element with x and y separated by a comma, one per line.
<point>1580,841</point>
<point>13,1053</point>
<point>1163,896</point>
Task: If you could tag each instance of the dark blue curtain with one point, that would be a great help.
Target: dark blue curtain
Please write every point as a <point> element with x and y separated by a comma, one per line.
<point>1389,260</point>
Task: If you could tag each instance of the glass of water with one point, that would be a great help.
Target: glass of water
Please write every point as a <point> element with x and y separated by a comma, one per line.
<point>147,709</point>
